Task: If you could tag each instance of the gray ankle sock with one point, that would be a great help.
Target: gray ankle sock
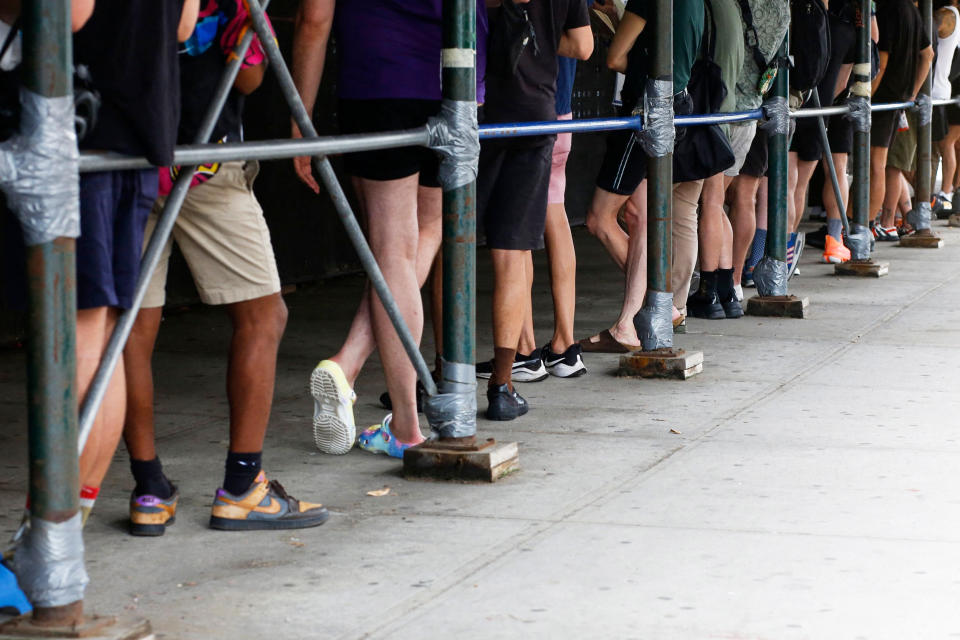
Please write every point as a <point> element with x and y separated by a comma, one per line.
<point>834,228</point>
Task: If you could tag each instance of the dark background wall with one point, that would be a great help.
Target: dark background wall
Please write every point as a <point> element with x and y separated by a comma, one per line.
<point>308,239</point>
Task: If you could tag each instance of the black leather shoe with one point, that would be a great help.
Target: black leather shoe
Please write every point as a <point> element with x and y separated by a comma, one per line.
<point>504,404</point>
<point>732,308</point>
<point>705,304</point>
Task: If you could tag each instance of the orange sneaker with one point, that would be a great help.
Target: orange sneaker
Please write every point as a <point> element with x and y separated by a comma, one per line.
<point>834,252</point>
<point>265,505</point>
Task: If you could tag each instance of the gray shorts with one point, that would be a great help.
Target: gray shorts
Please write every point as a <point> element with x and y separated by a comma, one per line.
<point>740,135</point>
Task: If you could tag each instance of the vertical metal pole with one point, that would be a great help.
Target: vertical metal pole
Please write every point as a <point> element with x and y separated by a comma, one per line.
<point>777,192</point>
<point>860,189</point>
<point>52,315</point>
<point>925,129</point>
<point>459,205</point>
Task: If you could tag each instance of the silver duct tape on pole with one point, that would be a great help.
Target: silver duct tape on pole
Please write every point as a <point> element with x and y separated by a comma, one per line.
<point>38,169</point>
<point>49,562</point>
<point>654,323</point>
<point>777,113</point>
<point>858,241</point>
<point>924,109</point>
<point>454,135</point>
<point>859,113</point>
<point>658,131</point>
<point>920,216</point>
<point>452,413</point>
<point>770,276</point>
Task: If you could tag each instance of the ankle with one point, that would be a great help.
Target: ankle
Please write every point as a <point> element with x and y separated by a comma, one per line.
<point>150,478</point>
<point>240,470</point>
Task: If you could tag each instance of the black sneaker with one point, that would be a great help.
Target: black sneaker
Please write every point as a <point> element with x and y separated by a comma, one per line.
<point>504,404</point>
<point>818,238</point>
<point>526,368</point>
<point>732,308</point>
<point>568,364</point>
<point>705,304</point>
<point>386,403</point>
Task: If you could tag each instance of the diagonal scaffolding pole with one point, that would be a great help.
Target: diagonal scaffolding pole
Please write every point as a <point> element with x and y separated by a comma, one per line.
<point>342,205</point>
<point>828,158</point>
<point>154,251</point>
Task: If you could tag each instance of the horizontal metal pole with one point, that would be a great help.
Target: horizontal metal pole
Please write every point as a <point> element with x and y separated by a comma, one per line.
<point>891,106</point>
<point>819,112</point>
<point>940,103</point>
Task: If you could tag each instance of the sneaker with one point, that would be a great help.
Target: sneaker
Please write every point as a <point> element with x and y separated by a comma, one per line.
<point>885,234</point>
<point>738,292</point>
<point>150,515</point>
<point>732,308</point>
<point>379,439</point>
<point>265,505</point>
<point>504,404</point>
<point>526,368</point>
<point>942,205</point>
<point>817,238</point>
<point>705,304</point>
<point>334,429</point>
<point>835,252</point>
<point>798,246</point>
<point>387,404</point>
<point>568,364</point>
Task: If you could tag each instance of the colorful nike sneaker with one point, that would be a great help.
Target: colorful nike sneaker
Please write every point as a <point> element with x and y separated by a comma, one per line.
<point>150,515</point>
<point>265,505</point>
<point>379,439</point>
<point>834,252</point>
<point>334,429</point>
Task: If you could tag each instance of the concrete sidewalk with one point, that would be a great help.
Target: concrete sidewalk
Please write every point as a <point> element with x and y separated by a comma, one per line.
<point>803,486</point>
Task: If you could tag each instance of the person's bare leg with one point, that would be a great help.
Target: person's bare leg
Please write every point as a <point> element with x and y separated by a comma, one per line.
<point>602,223</point>
<point>635,288</point>
<point>93,330</point>
<point>528,340</point>
<point>903,204</point>
<point>563,275</point>
<point>891,198</point>
<point>711,223</point>
<point>510,289</point>
<point>743,219</point>
<point>829,198</point>
<point>436,307</point>
<point>258,326</point>
<point>138,428</point>
<point>686,196</point>
<point>805,171</point>
<point>393,229</point>
<point>878,179</point>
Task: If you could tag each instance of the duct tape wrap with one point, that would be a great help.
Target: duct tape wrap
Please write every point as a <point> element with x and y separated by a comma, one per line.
<point>452,413</point>
<point>770,276</point>
<point>858,241</point>
<point>924,108</point>
<point>38,169</point>
<point>776,110</point>
<point>920,216</point>
<point>49,562</point>
<point>658,131</point>
<point>454,134</point>
<point>654,321</point>
<point>859,113</point>
<point>861,86</point>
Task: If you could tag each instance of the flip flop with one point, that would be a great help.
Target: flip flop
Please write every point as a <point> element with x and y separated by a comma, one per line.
<point>605,343</point>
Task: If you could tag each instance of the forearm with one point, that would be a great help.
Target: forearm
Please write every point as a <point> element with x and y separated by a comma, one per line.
<point>923,70</point>
<point>309,57</point>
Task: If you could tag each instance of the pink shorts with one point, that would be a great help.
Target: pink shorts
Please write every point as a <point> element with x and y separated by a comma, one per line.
<point>558,171</point>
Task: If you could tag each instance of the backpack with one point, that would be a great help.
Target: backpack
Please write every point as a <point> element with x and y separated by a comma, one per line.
<point>809,43</point>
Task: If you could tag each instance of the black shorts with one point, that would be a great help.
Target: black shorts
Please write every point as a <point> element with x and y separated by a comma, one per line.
<point>883,127</point>
<point>953,114</point>
<point>512,184</point>
<point>938,130</point>
<point>840,134</point>
<point>806,141</point>
<point>366,116</point>
<point>757,158</point>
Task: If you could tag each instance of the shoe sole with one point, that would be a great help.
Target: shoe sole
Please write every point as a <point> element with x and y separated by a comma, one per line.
<point>229,524</point>
<point>524,375</point>
<point>833,260</point>
<point>331,433</point>
<point>564,370</point>
<point>150,530</point>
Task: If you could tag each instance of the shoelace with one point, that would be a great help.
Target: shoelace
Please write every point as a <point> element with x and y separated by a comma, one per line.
<point>278,489</point>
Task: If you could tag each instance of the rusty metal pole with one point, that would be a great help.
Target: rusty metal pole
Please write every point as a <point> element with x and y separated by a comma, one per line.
<point>51,350</point>
<point>922,210</point>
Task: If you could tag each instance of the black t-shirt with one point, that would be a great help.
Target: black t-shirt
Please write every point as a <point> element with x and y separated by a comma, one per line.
<point>902,37</point>
<point>199,77</point>
<point>843,49</point>
<point>130,47</point>
<point>530,92</point>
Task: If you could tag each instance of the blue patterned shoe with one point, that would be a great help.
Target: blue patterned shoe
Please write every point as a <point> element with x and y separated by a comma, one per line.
<point>379,439</point>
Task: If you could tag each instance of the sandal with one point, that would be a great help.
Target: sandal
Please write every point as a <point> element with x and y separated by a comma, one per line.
<point>604,343</point>
<point>379,439</point>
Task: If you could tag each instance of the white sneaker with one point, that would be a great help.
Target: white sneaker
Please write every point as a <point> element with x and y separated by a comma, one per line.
<point>738,290</point>
<point>334,430</point>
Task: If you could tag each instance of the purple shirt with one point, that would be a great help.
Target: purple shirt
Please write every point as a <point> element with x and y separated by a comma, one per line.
<point>391,48</point>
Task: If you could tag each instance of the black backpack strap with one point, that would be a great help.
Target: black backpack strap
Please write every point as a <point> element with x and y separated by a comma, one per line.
<point>750,35</point>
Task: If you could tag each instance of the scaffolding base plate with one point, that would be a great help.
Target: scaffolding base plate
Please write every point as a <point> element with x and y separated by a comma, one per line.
<point>661,363</point>
<point>92,628</point>
<point>778,306</point>
<point>862,268</point>
<point>486,461</point>
<point>916,241</point>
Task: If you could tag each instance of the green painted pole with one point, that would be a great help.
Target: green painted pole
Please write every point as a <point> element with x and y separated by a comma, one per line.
<point>924,184</point>
<point>459,247</point>
<point>777,192</point>
<point>861,91</point>
<point>51,328</point>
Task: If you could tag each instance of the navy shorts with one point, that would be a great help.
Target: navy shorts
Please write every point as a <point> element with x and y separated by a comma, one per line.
<point>114,206</point>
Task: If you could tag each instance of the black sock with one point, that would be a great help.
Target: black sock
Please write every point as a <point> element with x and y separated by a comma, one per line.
<point>241,471</point>
<point>725,285</point>
<point>150,479</point>
<point>708,282</point>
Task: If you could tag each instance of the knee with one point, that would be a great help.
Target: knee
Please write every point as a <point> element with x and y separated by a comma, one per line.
<point>594,224</point>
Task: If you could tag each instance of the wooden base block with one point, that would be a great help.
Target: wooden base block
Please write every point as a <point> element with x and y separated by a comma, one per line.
<point>92,628</point>
<point>915,241</point>
<point>484,462</point>
<point>862,268</point>
<point>777,306</point>
<point>661,363</point>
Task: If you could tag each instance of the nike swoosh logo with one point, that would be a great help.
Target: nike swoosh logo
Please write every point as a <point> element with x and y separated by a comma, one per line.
<point>550,363</point>
<point>272,509</point>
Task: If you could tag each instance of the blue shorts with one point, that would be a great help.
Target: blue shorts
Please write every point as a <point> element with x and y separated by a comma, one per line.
<point>114,206</point>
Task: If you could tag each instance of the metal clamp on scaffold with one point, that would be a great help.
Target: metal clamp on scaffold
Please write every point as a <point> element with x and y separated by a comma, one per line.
<point>38,169</point>
<point>859,113</point>
<point>776,112</point>
<point>454,135</point>
<point>924,108</point>
<point>858,241</point>
<point>770,276</point>
<point>656,137</point>
<point>49,562</point>
<point>654,321</point>
<point>452,413</point>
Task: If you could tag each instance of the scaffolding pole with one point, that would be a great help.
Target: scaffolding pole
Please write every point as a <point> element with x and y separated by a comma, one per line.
<point>921,215</point>
<point>860,189</point>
